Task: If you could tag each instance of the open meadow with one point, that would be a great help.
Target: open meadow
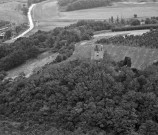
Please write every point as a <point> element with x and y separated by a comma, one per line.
<point>47,15</point>
<point>120,10</point>
<point>10,10</point>
<point>141,57</point>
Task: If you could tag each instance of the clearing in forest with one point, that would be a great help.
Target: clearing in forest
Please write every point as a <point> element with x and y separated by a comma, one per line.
<point>141,57</point>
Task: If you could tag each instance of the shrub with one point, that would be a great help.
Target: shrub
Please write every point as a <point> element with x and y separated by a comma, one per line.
<point>135,22</point>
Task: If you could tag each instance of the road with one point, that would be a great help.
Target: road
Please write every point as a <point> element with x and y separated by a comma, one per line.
<point>31,25</point>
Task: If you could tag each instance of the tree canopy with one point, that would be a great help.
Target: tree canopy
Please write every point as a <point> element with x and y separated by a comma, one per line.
<point>83,4</point>
<point>83,97</point>
<point>149,40</point>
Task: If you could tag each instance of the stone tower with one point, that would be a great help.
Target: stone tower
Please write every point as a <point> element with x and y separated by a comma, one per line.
<point>97,52</point>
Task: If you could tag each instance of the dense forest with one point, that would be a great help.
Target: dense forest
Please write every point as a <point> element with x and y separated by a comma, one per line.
<point>83,4</point>
<point>149,40</point>
<point>83,98</point>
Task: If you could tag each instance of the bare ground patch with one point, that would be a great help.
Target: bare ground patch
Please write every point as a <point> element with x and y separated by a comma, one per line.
<point>33,65</point>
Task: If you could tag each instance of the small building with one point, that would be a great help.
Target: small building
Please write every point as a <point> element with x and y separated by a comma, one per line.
<point>97,52</point>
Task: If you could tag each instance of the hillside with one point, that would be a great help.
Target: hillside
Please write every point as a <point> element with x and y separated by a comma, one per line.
<point>141,57</point>
<point>74,95</point>
<point>60,90</point>
<point>71,5</point>
<point>81,98</point>
<point>11,10</point>
<point>47,15</point>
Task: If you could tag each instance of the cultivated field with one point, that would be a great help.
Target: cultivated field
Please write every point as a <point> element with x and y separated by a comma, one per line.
<point>47,15</point>
<point>10,10</point>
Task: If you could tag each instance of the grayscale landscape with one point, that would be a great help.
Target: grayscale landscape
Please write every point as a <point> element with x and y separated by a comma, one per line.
<point>78,67</point>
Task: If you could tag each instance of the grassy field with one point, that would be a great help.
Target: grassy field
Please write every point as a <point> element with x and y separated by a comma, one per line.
<point>141,57</point>
<point>10,11</point>
<point>121,10</point>
<point>48,16</point>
